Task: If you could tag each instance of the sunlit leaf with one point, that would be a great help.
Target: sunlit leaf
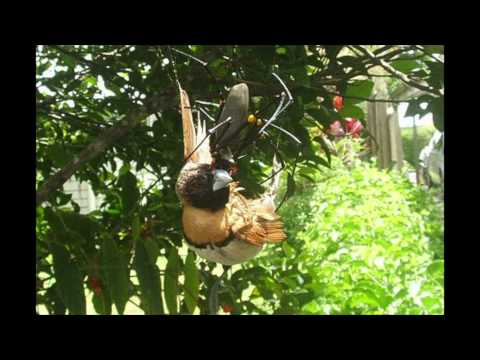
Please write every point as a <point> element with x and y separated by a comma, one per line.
<point>116,271</point>
<point>361,88</point>
<point>149,280</point>
<point>191,282</point>
<point>171,281</point>
<point>69,280</point>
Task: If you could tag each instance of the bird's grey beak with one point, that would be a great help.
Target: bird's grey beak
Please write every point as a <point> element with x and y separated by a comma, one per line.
<point>221,179</point>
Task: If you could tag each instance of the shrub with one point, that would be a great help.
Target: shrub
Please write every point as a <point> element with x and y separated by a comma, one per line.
<point>360,241</point>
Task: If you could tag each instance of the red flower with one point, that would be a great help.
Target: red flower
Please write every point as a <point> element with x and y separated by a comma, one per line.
<point>354,127</point>
<point>338,102</point>
<point>336,129</point>
<point>227,308</point>
<point>95,285</point>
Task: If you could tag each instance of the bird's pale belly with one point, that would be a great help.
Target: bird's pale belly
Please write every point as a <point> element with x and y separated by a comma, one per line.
<point>235,252</point>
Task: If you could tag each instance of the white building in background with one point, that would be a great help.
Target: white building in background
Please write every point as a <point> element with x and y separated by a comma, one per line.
<point>82,194</point>
<point>407,122</point>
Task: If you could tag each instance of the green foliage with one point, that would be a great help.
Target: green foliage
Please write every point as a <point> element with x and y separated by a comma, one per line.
<point>126,247</point>
<point>361,241</point>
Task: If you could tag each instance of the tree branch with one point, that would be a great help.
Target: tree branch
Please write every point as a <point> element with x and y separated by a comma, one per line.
<point>97,147</point>
<point>398,74</point>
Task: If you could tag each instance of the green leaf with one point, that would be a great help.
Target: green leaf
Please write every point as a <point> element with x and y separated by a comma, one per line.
<point>69,60</point>
<point>311,307</point>
<point>171,281</point>
<point>91,80</point>
<point>136,228</point>
<point>124,169</point>
<point>265,53</point>
<point>436,76</point>
<point>405,65</point>
<point>309,178</point>
<point>362,88</point>
<point>191,282</point>
<point>102,303</point>
<point>149,280</point>
<point>43,67</point>
<point>81,224</point>
<point>116,272</point>
<point>434,49</point>
<point>326,146</point>
<point>73,85</point>
<point>363,297</point>
<point>54,220</point>
<point>130,193</point>
<point>153,250</point>
<point>288,250</point>
<point>436,268</point>
<point>74,238</point>
<point>290,186</point>
<point>62,198</point>
<point>69,280</point>
<point>196,48</point>
<point>352,111</point>
<point>415,109</point>
<point>58,305</point>
<point>332,248</point>
<point>213,298</point>
<point>58,154</point>
<point>301,76</point>
<point>320,161</point>
<point>60,233</point>
<point>322,115</point>
<point>348,61</point>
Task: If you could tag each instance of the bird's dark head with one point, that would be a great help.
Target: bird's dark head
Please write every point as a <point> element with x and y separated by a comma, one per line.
<point>203,186</point>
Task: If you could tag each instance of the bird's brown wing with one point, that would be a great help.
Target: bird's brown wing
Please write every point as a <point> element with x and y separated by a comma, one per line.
<point>253,221</point>
<point>193,139</point>
<point>189,137</point>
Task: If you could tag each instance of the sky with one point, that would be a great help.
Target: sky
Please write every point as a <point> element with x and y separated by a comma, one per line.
<point>408,121</point>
